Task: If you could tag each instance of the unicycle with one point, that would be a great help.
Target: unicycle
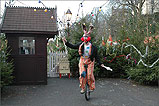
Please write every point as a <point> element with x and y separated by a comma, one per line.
<point>87,91</point>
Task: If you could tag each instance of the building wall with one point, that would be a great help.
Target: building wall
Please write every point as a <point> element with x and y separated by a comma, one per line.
<point>29,69</point>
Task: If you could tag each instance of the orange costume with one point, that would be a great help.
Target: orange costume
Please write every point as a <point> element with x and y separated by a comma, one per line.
<point>88,54</point>
<point>86,59</point>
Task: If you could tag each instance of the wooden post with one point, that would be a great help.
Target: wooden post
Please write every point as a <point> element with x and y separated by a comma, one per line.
<point>60,75</point>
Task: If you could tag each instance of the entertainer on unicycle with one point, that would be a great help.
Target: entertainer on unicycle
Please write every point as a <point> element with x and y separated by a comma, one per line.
<point>88,55</point>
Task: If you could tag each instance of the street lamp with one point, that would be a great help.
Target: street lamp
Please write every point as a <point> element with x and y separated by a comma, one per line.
<point>68,16</point>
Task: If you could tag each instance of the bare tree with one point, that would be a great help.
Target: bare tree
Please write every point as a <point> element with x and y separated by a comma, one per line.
<point>134,5</point>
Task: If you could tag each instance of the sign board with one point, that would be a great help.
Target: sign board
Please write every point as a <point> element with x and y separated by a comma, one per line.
<point>64,65</point>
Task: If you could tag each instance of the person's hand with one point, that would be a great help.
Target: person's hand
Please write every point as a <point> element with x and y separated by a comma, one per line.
<point>64,39</point>
<point>102,65</point>
<point>108,68</point>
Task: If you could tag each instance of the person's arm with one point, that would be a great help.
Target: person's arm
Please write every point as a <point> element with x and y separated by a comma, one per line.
<point>73,46</point>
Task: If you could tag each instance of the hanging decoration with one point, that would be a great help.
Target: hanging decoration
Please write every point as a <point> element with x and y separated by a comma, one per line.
<point>146,64</point>
<point>92,14</point>
<point>138,50</point>
<point>52,17</point>
<point>150,39</point>
<point>45,10</point>
<point>103,43</point>
<point>100,8</point>
<point>126,57</point>
<point>142,56</point>
<point>130,58</point>
<point>127,39</point>
<point>41,3</point>
<point>110,41</point>
<point>110,44</point>
<point>80,5</point>
<point>61,33</point>
<point>114,58</point>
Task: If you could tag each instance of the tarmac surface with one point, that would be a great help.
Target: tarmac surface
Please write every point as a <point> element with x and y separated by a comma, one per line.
<point>66,92</point>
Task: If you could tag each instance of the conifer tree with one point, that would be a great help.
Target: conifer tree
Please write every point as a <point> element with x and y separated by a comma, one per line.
<point>6,67</point>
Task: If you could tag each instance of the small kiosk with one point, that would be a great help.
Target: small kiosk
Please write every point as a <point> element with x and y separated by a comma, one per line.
<point>27,30</point>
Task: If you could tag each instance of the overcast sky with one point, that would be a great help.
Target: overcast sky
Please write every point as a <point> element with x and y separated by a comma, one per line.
<point>62,5</point>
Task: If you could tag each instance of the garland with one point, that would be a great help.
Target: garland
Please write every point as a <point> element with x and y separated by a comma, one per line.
<point>114,58</point>
<point>146,64</point>
<point>127,57</point>
<point>140,55</point>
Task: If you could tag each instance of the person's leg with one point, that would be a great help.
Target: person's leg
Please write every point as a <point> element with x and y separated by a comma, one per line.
<point>90,76</point>
<point>82,79</point>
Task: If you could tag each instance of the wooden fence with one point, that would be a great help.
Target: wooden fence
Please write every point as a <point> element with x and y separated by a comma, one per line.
<point>53,63</point>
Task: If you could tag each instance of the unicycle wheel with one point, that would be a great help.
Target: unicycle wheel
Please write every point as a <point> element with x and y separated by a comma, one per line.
<point>87,92</point>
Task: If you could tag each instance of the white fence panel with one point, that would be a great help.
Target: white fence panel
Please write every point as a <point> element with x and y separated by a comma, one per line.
<point>54,59</point>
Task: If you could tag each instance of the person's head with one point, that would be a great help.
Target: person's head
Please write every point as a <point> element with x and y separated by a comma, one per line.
<point>86,37</point>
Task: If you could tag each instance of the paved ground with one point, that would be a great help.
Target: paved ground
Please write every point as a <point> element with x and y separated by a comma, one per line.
<point>65,92</point>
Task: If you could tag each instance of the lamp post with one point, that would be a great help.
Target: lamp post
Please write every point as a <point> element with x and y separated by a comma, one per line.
<point>68,16</point>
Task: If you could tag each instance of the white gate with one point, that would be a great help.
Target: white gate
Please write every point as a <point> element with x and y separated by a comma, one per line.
<point>54,59</point>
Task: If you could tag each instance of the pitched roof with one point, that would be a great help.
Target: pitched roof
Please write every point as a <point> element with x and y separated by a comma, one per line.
<point>29,20</point>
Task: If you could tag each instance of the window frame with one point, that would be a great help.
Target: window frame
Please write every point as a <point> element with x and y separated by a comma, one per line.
<point>34,45</point>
